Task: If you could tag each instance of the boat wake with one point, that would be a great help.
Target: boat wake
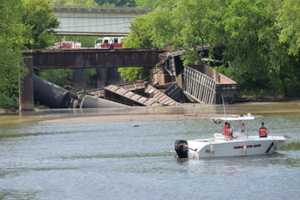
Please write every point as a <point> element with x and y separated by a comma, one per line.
<point>119,156</point>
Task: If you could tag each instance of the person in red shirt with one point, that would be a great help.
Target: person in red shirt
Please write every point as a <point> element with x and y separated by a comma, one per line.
<point>263,131</point>
<point>227,131</point>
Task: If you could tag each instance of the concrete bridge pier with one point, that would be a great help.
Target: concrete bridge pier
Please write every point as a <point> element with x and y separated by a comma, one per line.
<point>26,102</point>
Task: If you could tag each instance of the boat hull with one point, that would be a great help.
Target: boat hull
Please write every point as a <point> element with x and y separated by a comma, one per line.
<point>243,146</point>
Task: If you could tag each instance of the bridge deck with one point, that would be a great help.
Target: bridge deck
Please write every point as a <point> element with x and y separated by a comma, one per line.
<point>88,58</point>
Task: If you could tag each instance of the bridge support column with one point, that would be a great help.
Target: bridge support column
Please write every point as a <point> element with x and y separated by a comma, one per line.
<point>26,102</point>
<point>101,77</point>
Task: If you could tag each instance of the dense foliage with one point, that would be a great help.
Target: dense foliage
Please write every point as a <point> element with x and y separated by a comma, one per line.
<point>261,38</point>
<point>23,24</point>
<point>131,74</point>
<point>288,21</point>
<point>146,3</point>
<point>40,23</point>
<point>11,40</point>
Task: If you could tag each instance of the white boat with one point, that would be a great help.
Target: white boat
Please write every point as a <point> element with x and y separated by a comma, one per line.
<point>219,146</point>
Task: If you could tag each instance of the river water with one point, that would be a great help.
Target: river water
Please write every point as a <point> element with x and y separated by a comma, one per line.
<point>133,158</point>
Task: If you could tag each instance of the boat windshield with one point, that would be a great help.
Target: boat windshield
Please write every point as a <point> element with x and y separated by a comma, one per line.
<point>234,118</point>
<point>240,119</point>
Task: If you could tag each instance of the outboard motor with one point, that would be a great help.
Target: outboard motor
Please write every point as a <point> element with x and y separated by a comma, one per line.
<point>181,148</point>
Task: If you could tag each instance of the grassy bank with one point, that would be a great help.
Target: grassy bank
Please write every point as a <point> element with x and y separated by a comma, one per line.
<point>13,119</point>
<point>4,111</point>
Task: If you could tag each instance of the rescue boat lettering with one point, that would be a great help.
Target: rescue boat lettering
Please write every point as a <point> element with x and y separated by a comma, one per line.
<point>248,146</point>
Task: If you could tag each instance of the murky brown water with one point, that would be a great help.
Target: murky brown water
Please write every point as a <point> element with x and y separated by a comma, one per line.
<point>68,155</point>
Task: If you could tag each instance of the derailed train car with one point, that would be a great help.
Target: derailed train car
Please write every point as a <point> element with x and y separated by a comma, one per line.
<point>54,96</point>
<point>50,94</point>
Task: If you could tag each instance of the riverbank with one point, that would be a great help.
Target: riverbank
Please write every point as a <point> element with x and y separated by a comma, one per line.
<point>243,102</point>
<point>4,111</point>
<point>181,112</point>
<point>265,99</point>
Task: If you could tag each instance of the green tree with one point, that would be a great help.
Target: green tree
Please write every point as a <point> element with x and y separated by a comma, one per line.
<point>254,54</point>
<point>155,29</point>
<point>196,24</point>
<point>289,22</point>
<point>258,60</point>
<point>40,22</point>
<point>11,40</point>
<point>26,22</point>
<point>147,3</point>
<point>131,73</point>
<point>140,35</point>
<point>177,24</point>
<point>245,27</point>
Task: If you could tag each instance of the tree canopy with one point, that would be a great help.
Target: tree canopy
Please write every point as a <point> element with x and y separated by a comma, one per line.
<point>261,38</point>
<point>11,41</point>
<point>147,3</point>
<point>23,24</point>
<point>40,23</point>
<point>288,21</point>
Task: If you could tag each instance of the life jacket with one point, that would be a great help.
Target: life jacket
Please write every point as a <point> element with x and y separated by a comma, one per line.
<point>263,132</point>
<point>227,131</point>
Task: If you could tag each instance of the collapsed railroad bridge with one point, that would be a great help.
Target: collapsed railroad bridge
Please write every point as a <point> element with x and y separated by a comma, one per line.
<point>171,82</point>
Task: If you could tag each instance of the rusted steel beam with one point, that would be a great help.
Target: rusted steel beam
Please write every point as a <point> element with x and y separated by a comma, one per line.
<point>89,58</point>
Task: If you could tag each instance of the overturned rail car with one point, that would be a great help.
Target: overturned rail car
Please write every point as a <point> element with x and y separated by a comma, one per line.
<point>50,94</point>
